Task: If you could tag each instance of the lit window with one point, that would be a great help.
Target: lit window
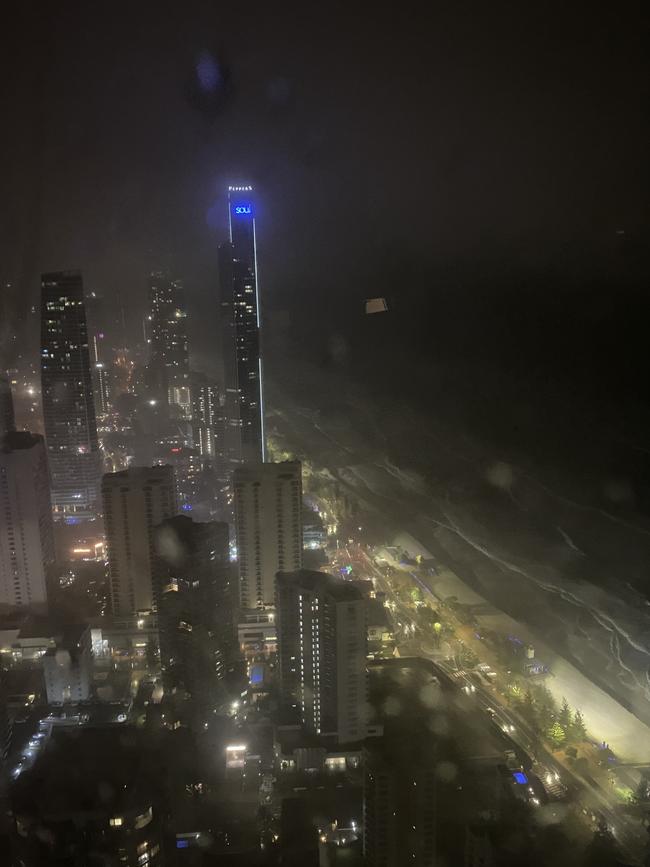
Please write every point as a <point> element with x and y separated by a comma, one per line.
<point>116,822</point>
<point>143,819</point>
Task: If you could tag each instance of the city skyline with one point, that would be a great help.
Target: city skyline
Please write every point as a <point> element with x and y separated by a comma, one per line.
<point>324,424</point>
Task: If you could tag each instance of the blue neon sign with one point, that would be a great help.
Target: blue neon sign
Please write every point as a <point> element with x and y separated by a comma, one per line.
<point>243,210</point>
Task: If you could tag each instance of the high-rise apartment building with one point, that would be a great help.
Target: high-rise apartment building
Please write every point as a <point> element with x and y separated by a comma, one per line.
<point>399,809</point>
<point>322,652</point>
<point>68,408</point>
<point>195,614</point>
<point>240,322</point>
<point>26,532</point>
<point>7,418</point>
<point>135,502</point>
<point>207,418</point>
<point>169,364</point>
<point>268,521</point>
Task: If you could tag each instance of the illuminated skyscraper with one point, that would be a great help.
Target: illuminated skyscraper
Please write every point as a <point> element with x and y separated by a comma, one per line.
<point>68,408</point>
<point>169,364</point>
<point>207,418</point>
<point>135,501</point>
<point>240,322</point>
<point>268,519</point>
<point>322,652</point>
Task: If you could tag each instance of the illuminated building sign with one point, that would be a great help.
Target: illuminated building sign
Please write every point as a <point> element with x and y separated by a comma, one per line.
<point>243,210</point>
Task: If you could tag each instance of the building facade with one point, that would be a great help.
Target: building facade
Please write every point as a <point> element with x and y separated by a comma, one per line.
<point>68,408</point>
<point>7,418</point>
<point>240,323</point>
<point>268,522</point>
<point>195,615</point>
<point>399,811</point>
<point>68,667</point>
<point>207,418</point>
<point>322,653</point>
<point>169,364</point>
<point>26,531</point>
<point>135,501</point>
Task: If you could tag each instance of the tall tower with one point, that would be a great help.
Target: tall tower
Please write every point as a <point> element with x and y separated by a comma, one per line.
<point>68,408</point>
<point>195,611</point>
<point>322,651</point>
<point>135,501</point>
<point>207,418</point>
<point>169,363</point>
<point>26,532</point>
<point>268,520</point>
<point>240,323</point>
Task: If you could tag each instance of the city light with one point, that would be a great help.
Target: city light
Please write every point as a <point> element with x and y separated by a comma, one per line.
<point>153,565</point>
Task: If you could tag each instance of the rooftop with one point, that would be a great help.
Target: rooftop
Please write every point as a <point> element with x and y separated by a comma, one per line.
<point>139,475</point>
<point>255,472</point>
<point>337,588</point>
<point>19,440</point>
<point>27,625</point>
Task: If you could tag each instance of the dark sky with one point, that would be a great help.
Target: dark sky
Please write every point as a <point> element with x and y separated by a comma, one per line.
<point>470,151</point>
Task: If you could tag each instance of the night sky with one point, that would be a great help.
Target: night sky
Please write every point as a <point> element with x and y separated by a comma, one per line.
<point>483,167</point>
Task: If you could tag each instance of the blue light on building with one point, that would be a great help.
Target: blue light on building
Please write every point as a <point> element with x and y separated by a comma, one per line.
<point>244,438</point>
<point>256,675</point>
